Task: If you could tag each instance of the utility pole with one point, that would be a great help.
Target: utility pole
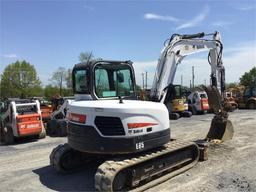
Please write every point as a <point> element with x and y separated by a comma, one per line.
<point>190,85</point>
<point>181,80</point>
<point>146,80</point>
<point>205,82</point>
<point>193,76</point>
<point>142,81</point>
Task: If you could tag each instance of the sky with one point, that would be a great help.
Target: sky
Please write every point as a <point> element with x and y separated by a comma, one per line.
<point>51,34</point>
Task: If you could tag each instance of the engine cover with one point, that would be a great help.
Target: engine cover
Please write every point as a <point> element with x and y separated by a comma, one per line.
<point>109,126</point>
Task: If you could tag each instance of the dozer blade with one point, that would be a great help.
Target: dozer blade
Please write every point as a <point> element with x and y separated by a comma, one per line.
<point>221,129</point>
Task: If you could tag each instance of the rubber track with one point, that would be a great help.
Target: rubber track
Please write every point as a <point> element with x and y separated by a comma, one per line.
<point>106,172</point>
<point>55,157</point>
<point>79,159</point>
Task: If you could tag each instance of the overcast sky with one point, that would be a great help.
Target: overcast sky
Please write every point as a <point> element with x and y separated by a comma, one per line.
<point>50,34</point>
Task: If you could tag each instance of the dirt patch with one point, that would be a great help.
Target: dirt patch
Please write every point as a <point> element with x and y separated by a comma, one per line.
<point>233,182</point>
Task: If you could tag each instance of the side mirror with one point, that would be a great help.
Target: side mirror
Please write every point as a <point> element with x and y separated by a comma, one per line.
<point>120,77</point>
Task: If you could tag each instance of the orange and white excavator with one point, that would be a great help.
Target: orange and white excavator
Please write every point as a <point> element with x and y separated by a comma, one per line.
<point>20,118</point>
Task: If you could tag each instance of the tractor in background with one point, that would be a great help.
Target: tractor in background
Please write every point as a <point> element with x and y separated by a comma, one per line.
<point>247,99</point>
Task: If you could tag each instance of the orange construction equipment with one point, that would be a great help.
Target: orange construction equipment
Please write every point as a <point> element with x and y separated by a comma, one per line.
<point>20,118</point>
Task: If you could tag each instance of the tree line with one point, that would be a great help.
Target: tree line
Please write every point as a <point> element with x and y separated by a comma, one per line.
<point>20,80</point>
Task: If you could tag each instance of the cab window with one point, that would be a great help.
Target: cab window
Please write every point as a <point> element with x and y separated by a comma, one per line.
<point>113,81</point>
<point>81,84</point>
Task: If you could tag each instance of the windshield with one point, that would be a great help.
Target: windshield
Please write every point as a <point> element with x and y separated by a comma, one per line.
<point>177,92</point>
<point>80,85</point>
<point>113,81</point>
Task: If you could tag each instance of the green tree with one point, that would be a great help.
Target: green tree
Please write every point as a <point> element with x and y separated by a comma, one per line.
<point>59,78</point>
<point>69,79</point>
<point>231,85</point>
<point>137,89</point>
<point>50,91</point>
<point>20,79</point>
<point>86,56</point>
<point>249,78</point>
<point>69,90</point>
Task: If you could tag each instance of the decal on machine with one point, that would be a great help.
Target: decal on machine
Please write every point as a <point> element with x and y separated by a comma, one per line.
<point>138,131</point>
<point>136,128</point>
<point>139,125</point>
<point>140,145</point>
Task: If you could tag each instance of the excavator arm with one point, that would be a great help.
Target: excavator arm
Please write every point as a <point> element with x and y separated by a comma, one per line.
<point>177,48</point>
<point>174,51</point>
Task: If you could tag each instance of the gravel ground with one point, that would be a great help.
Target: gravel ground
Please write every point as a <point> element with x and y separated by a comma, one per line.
<point>231,166</point>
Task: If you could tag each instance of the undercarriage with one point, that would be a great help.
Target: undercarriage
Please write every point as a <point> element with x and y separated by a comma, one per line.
<point>133,171</point>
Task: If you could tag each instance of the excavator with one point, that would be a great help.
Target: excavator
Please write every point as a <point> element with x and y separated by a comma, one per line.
<point>176,103</point>
<point>57,125</point>
<point>129,139</point>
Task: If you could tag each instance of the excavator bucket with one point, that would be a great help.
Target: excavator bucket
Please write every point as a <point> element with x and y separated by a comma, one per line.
<point>221,128</point>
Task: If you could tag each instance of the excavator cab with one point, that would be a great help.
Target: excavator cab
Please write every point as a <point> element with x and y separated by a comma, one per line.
<point>102,79</point>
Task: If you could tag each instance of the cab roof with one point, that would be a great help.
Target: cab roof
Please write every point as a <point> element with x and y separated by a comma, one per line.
<point>93,62</point>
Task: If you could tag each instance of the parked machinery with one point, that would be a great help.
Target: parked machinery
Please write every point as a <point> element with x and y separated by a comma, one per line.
<point>176,102</point>
<point>20,118</point>
<point>131,138</point>
<point>198,102</point>
<point>57,125</point>
<point>247,99</point>
<point>46,110</point>
<point>230,103</point>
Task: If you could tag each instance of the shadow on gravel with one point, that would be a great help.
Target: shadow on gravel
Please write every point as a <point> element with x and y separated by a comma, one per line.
<point>21,140</point>
<point>76,181</point>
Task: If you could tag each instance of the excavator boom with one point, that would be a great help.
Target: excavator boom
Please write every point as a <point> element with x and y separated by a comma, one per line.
<point>177,48</point>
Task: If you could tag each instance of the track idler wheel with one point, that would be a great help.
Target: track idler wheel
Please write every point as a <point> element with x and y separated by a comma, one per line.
<point>186,114</point>
<point>174,116</point>
<point>221,129</point>
<point>65,159</point>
